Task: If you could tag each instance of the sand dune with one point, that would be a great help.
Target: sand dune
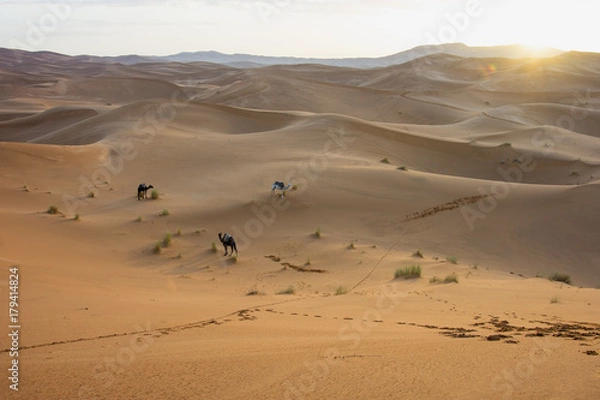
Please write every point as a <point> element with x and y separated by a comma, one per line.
<point>31,127</point>
<point>485,173</point>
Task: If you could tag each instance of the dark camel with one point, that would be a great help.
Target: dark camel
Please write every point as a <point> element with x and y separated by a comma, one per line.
<point>228,241</point>
<point>143,190</point>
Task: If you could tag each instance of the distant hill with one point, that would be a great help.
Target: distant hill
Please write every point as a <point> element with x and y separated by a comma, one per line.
<point>10,57</point>
<point>456,49</point>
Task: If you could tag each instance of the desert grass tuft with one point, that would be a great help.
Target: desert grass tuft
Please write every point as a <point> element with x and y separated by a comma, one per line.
<point>164,212</point>
<point>167,239</point>
<point>52,210</point>
<point>139,218</point>
<point>154,194</point>
<point>385,160</point>
<point>214,247</point>
<point>452,278</point>
<point>412,272</point>
<point>157,248</point>
<point>351,246</point>
<point>452,259</point>
<point>402,168</point>
<point>91,195</point>
<point>558,277</point>
<point>289,290</point>
<point>341,290</point>
<point>418,254</point>
<point>554,300</point>
<point>318,233</point>
<point>76,217</point>
<point>254,292</point>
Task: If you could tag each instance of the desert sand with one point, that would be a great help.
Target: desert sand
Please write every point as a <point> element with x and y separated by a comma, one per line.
<point>485,173</point>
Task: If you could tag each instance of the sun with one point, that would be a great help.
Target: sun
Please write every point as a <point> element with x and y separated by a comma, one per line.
<point>535,47</point>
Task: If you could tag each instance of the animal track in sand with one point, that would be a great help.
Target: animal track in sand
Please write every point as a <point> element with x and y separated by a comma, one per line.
<point>451,205</point>
<point>500,330</point>
<point>295,267</point>
<point>243,315</point>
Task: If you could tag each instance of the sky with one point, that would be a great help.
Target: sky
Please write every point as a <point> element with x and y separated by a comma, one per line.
<point>300,28</point>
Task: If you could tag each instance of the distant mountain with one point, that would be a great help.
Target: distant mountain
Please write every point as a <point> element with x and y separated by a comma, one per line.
<point>456,49</point>
<point>11,58</point>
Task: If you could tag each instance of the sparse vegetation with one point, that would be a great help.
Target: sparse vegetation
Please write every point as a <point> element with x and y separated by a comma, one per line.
<point>555,300</point>
<point>164,212</point>
<point>351,246</point>
<point>452,278</point>
<point>507,144</point>
<point>52,210</point>
<point>154,194</point>
<point>91,195</point>
<point>294,187</point>
<point>418,254</point>
<point>341,290</point>
<point>412,272</point>
<point>25,188</point>
<point>214,247</point>
<point>318,233</point>
<point>307,261</point>
<point>452,259</point>
<point>139,218</point>
<point>402,168</point>
<point>157,248</point>
<point>254,292</point>
<point>76,217</point>
<point>385,160</point>
<point>558,277</point>
<point>289,290</point>
<point>178,232</point>
<point>167,239</point>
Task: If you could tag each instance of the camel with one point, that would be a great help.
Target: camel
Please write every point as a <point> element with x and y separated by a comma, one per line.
<point>277,185</point>
<point>228,241</point>
<point>143,190</point>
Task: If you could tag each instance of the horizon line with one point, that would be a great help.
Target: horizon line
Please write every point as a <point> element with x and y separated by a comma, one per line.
<point>519,45</point>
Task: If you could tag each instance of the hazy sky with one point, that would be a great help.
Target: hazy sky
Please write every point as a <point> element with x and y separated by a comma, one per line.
<point>303,28</point>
